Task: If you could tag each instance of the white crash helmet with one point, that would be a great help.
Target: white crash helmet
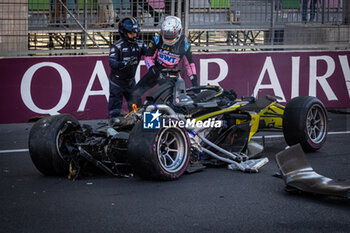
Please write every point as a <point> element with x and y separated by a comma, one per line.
<point>171,30</point>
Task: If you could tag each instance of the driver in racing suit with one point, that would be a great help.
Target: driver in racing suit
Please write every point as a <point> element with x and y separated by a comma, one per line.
<point>166,51</point>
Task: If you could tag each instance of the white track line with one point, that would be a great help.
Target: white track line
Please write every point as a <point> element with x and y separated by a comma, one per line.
<point>268,136</point>
<point>14,151</point>
<point>281,135</point>
<point>339,132</point>
<point>254,137</point>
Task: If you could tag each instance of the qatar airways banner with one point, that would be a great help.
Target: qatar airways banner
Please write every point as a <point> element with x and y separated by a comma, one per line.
<point>42,86</point>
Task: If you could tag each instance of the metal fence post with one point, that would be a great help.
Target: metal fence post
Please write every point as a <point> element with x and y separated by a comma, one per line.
<point>272,36</point>
<point>187,16</point>
<point>85,22</point>
<point>323,11</point>
<point>179,10</point>
<point>172,7</point>
<point>346,12</point>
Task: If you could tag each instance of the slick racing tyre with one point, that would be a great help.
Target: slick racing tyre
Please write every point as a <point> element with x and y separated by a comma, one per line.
<point>159,154</point>
<point>47,140</point>
<point>305,122</point>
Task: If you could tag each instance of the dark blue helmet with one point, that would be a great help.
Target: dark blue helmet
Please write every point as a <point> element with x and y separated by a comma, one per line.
<point>126,25</point>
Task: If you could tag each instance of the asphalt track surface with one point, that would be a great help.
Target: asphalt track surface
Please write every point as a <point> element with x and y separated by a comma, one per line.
<point>214,200</point>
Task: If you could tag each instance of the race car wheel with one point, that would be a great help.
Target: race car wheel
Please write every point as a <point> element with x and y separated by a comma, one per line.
<point>160,154</point>
<point>305,122</point>
<point>47,148</point>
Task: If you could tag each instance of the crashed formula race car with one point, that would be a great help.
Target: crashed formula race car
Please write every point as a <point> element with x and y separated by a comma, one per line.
<point>176,130</point>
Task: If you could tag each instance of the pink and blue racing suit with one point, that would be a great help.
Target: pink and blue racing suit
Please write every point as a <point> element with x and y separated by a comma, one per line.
<point>160,55</point>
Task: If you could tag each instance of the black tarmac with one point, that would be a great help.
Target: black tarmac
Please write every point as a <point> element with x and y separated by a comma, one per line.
<point>214,200</point>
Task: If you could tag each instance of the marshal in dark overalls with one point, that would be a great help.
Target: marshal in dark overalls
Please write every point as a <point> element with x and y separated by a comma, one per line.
<point>124,57</point>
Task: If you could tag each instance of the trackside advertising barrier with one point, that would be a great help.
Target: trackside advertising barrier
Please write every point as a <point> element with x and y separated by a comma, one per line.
<point>42,86</point>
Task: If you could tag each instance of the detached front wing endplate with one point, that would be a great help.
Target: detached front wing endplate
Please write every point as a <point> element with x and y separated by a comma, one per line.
<point>297,173</point>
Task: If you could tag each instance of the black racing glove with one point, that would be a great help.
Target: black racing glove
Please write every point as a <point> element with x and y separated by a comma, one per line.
<point>233,94</point>
<point>193,79</point>
<point>155,70</point>
<point>132,61</point>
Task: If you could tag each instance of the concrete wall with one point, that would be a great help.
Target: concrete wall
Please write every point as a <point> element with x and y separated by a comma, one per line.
<point>303,34</point>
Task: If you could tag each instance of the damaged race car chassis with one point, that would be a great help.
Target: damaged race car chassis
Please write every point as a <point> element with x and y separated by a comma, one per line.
<point>60,145</point>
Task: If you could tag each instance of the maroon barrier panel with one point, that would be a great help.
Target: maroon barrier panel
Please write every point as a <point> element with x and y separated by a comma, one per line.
<point>41,86</point>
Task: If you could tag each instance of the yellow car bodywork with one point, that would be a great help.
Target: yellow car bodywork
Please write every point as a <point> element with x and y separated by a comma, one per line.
<point>269,117</point>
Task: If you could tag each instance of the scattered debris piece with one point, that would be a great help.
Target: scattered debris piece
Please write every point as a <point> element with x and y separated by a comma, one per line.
<point>298,174</point>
